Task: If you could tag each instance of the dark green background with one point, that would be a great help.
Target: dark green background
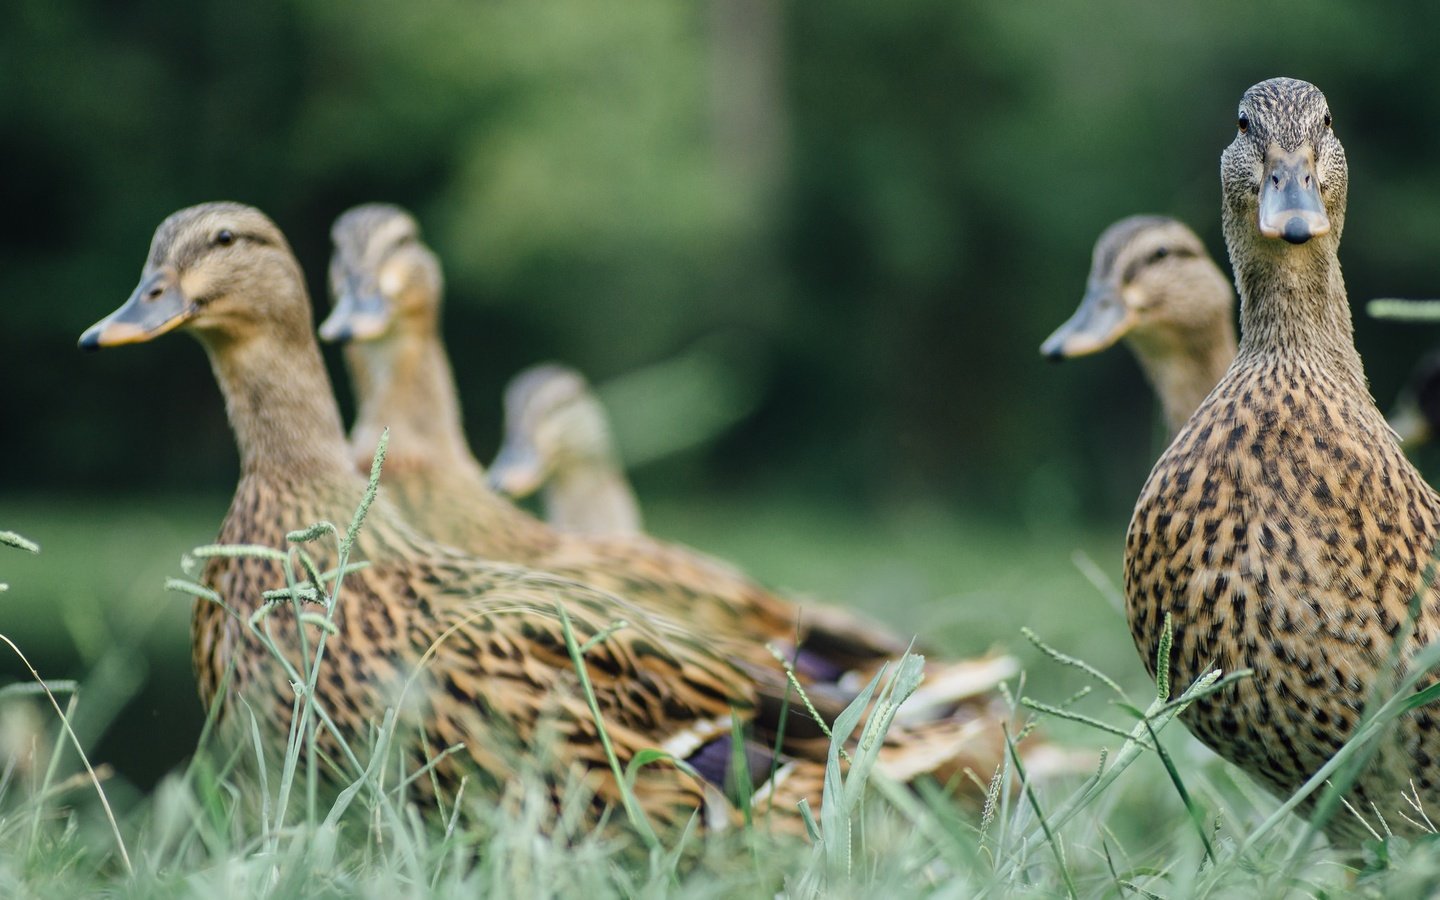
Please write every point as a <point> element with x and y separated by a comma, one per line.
<point>890,203</point>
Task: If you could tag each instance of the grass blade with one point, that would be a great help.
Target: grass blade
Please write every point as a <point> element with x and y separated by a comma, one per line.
<point>1050,838</point>
<point>11,539</point>
<point>75,741</point>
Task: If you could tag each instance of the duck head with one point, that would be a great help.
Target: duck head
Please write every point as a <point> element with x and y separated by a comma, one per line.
<point>1151,281</point>
<point>552,421</point>
<point>383,279</point>
<point>219,270</point>
<point>1284,175</point>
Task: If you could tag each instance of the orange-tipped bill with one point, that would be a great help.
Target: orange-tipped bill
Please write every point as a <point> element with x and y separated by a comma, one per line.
<point>357,316</point>
<point>518,470</point>
<point>1102,318</point>
<point>157,306</point>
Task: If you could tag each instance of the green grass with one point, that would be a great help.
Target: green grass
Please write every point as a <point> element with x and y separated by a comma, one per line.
<point>1164,818</point>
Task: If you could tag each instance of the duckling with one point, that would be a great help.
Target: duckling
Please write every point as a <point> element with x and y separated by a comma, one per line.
<point>387,287</point>
<point>1153,284</point>
<point>1283,530</point>
<point>557,437</point>
<point>470,652</point>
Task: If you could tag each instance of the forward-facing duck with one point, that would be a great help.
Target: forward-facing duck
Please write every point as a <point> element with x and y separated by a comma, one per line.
<point>1283,530</point>
<point>1153,285</point>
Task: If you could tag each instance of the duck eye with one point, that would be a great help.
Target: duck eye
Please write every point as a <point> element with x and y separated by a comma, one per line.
<point>1160,253</point>
<point>1327,118</point>
<point>1244,122</point>
<point>225,237</point>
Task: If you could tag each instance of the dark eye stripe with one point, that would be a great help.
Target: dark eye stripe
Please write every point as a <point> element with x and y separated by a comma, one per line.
<point>401,241</point>
<point>1135,265</point>
<point>238,236</point>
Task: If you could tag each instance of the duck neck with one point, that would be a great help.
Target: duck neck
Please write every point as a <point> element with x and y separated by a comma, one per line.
<point>1185,370</point>
<point>405,384</point>
<point>1293,306</point>
<point>592,497</point>
<point>281,407</point>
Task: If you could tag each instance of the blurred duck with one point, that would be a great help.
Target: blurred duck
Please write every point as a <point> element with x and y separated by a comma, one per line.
<point>1283,530</point>
<point>557,438</point>
<point>387,288</point>
<point>470,652</point>
<point>25,745</point>
<point>1153,285</point>
<point>1415,416</point>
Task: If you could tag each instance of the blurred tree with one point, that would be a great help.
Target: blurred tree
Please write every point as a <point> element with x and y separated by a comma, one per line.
<point>893,204</point>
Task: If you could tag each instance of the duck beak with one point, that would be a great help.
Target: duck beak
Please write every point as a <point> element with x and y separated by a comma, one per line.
<point>1290,204</point>
<point>517,471</point>
<point>359,315</point>
<point>157,306</point>
<point>1102,319</point>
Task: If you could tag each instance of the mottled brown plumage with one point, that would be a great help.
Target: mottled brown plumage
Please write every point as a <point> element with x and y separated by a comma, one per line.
<point>1283,530</point>
<point>558,442</point>
<point>1153,285</point>
<point>469,652</point>
<point>497,668</point>
<point>387,286</point>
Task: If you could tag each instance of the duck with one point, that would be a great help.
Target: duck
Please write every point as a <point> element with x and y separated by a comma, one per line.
<point>1415,414</point>
<point>1283,531</point>
<point>471,652</point>
<point>387,287</point>
<point>1153,285</point>
<point>557,438</point>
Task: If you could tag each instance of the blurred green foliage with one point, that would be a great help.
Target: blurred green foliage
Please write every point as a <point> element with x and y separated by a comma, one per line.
<point>893,203</point>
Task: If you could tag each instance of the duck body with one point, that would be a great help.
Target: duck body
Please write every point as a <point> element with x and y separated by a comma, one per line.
<point>387,288</point>
<point>386,280</point>
<point>1297,561</point>
<point>468,654</point>
<point>1283,530</point>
